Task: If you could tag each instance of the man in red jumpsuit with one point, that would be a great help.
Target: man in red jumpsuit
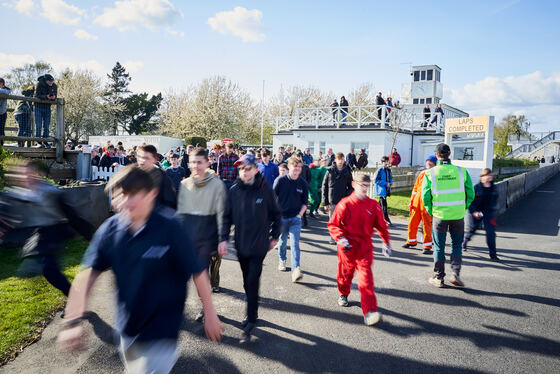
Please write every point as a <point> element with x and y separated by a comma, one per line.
<point>351,226</point>
<point>419,214</point>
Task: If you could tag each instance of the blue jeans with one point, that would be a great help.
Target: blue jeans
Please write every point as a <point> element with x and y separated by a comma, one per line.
<point>344,114</point>
<point>291,227</point>
<point>42,121</point>
<point>439,234</point>
<point>24,124</point>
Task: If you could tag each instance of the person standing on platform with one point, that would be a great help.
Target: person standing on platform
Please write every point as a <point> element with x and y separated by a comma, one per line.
<point>447,191</point>
<point>419,214</point>
<point>483,209</point>
<point>351,226</point>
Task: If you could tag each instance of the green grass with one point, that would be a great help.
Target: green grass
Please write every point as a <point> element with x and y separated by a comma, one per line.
<point>507,162</point>
<point>27,305</point>
<point>397,203</point>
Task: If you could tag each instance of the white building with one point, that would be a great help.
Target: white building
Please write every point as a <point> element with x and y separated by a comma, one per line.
<point>376,128</point>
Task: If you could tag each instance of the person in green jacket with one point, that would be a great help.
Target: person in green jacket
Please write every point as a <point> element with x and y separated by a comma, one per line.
<point>447,192</point>
<point>318,172</point>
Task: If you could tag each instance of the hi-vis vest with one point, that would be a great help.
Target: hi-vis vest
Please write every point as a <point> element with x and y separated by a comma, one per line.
<point>448,191</point>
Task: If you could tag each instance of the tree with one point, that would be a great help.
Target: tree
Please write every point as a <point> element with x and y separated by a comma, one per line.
<point>84,113</point>
<point>363,95</point>
<point>510,125</point>
<point>115,94</point>
<point>215,108</point>
<point>140,112</point>
<point>20,77</point>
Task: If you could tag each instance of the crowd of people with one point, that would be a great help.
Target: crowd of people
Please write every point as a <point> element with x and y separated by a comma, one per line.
<point>174,215</point>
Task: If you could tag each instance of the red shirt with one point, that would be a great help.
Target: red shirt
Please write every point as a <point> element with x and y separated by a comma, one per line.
<point>395,159</point>
<point>355,219</point>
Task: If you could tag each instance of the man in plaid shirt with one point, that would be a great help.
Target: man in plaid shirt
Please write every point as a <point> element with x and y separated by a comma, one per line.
<point>226,169</point>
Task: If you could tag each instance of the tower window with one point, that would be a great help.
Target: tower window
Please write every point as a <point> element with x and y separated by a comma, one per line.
<point>416,76</point>
<point>414,101</point>
<point>438,75</point>
<point>429,100</point>
<point>430,75</point>
<point>423,75</point>
<point>421,101</point>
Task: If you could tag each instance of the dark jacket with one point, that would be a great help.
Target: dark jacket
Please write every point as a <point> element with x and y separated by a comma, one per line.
<point>485,199</point>
<point>95,160</point>
<point>379,100</point>
<point>351,160</point>
<point>362,161</point>
<point>185,165</point>
<point>337,184</point>
<point>255,212</point>
<point>107,161</point>
<point>43,90</point>
<point>306,174</point>
<point>344,105</point>
<point>330,160</point>
<point>427,113</point>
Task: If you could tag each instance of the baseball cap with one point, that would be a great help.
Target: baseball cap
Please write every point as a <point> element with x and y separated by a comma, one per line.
<point>433,159</point>
<point>247,159</point>
<point>443,149</point>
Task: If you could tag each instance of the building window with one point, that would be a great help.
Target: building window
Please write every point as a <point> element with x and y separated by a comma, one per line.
<point>423,75</point>
<point>311,146</point>
<point>416,76</point>
<point>414,101</point>
<point>430,75</point>
<point>322,147</point>
<point>438,75</point>
<point>421,101</point>
<point>429,100</point>
<point>359,145</point>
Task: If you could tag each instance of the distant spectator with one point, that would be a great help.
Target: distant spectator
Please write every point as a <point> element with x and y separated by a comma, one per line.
<point>95,156</point>
<point>268,169</point>
<point>185,160</point>
<point>397,104</point>
<point>213,162</point>
<point>394,158</point>
<point>552,159</point>
<point>389,104</point>
<point>69,146</point>
<point>334,107</point>
<point>427,115</point>
<point>287,153</point>
<point>131,155</point>
<point>351,159</point>
<point>330,157</point>
<point>383,181</point>
<point>108,158</point>
<point>320,156</point>
<point>167,196</point>
<point>175,172</point>
<point>440,111</point>
<point>379,101</point>
<point>227,171</point>
<point>23,114</point>
<point>279,159</point>
<point>282,169</point>
<point>362,159</point>
<point>120,157</point>
<point>167,161</point>
<point>3,108</point>
<point>46,90</point>
<point>307,157</point>
<point>542,160</point>
<point>344,108</point>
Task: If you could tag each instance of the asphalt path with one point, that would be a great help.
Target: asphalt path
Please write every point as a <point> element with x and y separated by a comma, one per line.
<point>506,319</point>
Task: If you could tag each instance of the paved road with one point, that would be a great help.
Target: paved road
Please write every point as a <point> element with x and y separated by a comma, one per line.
<point>507,320</point>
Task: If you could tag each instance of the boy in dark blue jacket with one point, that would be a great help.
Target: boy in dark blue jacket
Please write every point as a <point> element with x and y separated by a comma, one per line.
<point>482,209</point>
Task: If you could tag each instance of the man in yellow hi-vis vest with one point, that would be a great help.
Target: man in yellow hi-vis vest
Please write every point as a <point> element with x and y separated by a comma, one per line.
<point>447,192</point>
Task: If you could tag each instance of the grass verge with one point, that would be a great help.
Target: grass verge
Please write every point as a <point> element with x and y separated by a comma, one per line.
<point>27,305</point>
<point>397,203</point>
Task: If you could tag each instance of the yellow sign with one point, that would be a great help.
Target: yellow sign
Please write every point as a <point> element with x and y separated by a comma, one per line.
<point>467,125</point>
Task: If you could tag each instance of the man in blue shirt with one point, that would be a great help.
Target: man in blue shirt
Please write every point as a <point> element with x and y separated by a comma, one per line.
<point>268,169</point>
<point>152,259</point>
<point>307,157</point>
<point>292,192</point>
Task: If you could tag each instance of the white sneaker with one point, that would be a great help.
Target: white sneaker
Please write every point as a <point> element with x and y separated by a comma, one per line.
<point>296,275</point>
<point>372,318</point>
<point>282,265</point>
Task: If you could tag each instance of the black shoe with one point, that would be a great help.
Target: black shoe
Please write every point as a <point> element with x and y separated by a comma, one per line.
<point>427,252</point>
<point>495,259</point>
<point>245,322</point>
<point>247,331</point>
<point>464,249</point>
<point>216,289</point>
<point>312,215</point>
<point>47,145</point>
<point>304,221</point>
<point>409,245</point>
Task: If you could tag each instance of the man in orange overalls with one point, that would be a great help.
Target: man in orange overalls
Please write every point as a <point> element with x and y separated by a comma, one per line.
<point>418,212</point>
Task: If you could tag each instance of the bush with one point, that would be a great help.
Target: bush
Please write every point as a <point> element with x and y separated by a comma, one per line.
<point>194,140</point>
<point>5,157</point>
<point>507,162</point>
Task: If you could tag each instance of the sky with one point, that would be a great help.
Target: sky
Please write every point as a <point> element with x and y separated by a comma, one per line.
<point>497,57</point>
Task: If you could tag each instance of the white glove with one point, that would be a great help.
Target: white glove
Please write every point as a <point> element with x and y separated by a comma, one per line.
<point>387,250</point>
<point>344,242</point>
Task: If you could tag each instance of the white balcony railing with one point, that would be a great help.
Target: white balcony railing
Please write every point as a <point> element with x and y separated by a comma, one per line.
<point>375,116</point>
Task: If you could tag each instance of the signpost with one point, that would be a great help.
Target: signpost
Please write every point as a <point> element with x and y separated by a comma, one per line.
<point>471,142</point>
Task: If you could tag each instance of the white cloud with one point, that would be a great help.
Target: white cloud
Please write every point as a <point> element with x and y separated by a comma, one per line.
<point>8,61</point>
<point>21,6</point>
<point>132,66</point>
<point>58,11</point>
<point>536,95</point>
<point>175,33</point>
<point>129,15</point>
<point>84,35</point>
<point>246,24</point>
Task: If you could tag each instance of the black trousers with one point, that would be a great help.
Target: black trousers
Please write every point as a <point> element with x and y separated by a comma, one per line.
<point>54,276</point>
<point>3,118</point>
<point>383,202</point>
<point>251,267</point>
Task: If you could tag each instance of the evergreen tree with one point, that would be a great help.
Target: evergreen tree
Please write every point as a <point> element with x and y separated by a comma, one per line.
<point>115,95</point>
